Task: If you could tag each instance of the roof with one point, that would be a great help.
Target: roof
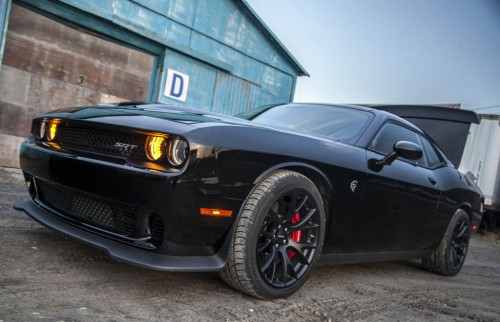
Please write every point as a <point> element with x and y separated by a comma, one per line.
<point>273,38</point>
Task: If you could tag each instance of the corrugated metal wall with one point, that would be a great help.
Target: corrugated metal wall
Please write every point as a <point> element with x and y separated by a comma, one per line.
<point>232,64</point>
<point>4,12</point>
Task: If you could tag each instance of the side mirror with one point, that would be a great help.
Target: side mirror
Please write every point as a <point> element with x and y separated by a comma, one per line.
<point>405,149</point>
<point>408,150</point>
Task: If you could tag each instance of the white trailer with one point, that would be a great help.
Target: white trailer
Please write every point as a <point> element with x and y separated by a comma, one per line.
<point>481,161</point>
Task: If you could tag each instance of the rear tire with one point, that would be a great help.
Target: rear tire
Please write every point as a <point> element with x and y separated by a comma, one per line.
<point>449,256</point>
<point>278,239</point>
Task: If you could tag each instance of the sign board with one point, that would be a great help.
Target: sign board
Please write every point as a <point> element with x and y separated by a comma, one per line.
<point>177,85</point>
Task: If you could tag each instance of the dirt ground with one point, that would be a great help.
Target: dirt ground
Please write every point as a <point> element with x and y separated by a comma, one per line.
<point>46,276</point>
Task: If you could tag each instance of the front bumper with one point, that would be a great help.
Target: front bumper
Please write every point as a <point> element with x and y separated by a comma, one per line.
<point>189,241</point>
<point>123,252</point>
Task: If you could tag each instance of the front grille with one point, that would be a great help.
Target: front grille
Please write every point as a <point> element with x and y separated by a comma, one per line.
<point>102,142</point>
<point>100,212</point>
<point>157,230</point>
<point>140,229</point>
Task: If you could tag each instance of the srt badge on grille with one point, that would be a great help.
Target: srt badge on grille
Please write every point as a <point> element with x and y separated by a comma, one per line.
<point>125,147</point>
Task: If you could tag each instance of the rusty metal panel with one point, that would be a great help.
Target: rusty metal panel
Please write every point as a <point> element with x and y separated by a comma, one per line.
<point>243,66</point>
<point>179,10</point>
<point>267,98</point>
<point>225,22</point>
<point>276,82</point>
<point>269,78</point>
<point>130,13</point>
<point>234,95</point>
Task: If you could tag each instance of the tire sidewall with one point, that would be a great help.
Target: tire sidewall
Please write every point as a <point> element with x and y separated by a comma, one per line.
<point>293,181</point>
<point>459,215</point>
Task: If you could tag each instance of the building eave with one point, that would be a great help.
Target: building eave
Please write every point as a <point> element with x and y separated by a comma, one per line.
<point>301,71</point>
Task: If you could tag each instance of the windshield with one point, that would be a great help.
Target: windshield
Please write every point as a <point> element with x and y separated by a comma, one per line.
<point>337,122</point>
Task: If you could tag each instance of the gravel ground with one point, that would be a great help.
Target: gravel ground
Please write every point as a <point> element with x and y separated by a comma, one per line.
<point>46,276</point>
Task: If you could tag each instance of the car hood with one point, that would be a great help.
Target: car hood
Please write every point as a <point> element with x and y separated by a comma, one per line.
<point>159,111</point>
<point>448,127</point>
<point>159,117</point>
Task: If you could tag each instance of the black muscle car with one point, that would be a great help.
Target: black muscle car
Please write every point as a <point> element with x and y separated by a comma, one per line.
<point>260,198</point>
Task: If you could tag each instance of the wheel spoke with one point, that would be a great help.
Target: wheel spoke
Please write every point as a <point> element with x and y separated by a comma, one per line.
<point>305,226</point>
<point>273,270</point>
<point>299,251</point>
<point>301,204</point>
<point>463,230</point>
<point>264,245</point>
<point>268,261</point>
<point>284,267</point>
<point>459,244</point>
<point>302,259</point>
<point>303,220</point>
<point>453,257</point>
<point>287,268</point>
<point>293,204</point>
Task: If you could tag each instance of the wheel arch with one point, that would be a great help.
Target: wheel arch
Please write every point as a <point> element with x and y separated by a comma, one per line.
<point>321,181</point>
<point>468,210</point>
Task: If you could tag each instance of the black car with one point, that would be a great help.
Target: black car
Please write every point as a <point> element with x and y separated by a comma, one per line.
<point>260,198</point>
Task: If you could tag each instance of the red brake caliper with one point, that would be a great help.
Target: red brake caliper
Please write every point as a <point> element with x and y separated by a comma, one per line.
<point>296,235</point>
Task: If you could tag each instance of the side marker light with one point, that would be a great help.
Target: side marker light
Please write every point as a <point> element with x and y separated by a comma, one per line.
<point>216,212</point>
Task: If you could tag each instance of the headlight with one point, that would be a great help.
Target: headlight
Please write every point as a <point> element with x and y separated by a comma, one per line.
<point>47,130</point>
<point>51,134</point>
<point>178,151</point>
<point>43,128</point>
<point>155,145</point>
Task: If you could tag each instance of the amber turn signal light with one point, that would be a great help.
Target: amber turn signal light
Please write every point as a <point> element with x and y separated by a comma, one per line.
<point>155,147</point>
<point>216,212</point>
<point>51,134</point>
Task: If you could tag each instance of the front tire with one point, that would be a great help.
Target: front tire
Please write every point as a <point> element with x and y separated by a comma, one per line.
<point>278,238</point>
<point>449,256</point>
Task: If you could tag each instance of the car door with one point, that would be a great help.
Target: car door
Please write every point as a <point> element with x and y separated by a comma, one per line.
<point>400,199</point>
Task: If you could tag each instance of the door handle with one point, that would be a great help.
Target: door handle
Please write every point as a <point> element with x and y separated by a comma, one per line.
<point>433,181</point>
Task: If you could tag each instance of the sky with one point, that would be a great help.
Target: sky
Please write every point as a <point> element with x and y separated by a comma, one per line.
<point>392,51</point>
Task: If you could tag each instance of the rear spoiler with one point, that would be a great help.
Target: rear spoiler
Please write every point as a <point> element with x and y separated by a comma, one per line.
<point>448,127</point>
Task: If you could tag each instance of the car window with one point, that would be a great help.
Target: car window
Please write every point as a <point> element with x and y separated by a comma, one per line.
<point>431,157</point>
<point>341,123</point>
<point>392,133</point>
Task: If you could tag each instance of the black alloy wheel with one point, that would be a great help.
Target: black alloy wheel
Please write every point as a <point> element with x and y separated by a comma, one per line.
<point>288,238</point>
<point>449,256</point>
<point>279,236</point>
<point>459,244</point>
